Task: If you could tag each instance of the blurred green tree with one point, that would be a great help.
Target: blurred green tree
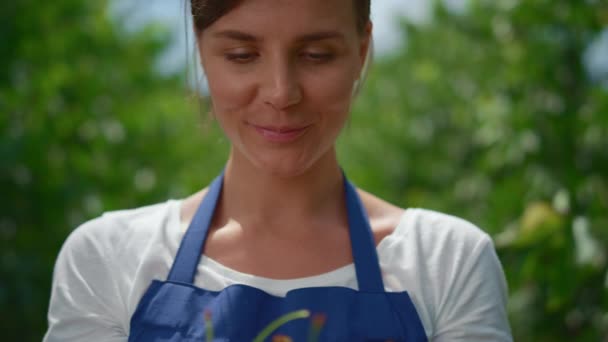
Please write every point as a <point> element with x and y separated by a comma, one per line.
<point>490,115</point>
<point>86,125</point>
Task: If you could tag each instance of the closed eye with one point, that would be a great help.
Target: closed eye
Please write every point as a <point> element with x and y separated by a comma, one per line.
<point>314,57</point>
<point>318,57</point>
<point>241,58</point>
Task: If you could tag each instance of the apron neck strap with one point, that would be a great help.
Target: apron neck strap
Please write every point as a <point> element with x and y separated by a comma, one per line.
<point>367,266</point>
<point>191,248</point>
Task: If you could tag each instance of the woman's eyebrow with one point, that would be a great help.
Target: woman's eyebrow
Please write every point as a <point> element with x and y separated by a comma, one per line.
<point>322,35</point>
<point>304,38</point>
<point>236,35</point>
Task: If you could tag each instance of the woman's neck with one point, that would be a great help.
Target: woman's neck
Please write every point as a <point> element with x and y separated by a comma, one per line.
<point>253,196</point>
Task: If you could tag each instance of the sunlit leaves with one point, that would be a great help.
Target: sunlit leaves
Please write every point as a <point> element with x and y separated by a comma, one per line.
<point>87,125</point>
<point>501,123</point>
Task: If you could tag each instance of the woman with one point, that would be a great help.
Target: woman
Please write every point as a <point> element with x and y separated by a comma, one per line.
<point>282,233</point>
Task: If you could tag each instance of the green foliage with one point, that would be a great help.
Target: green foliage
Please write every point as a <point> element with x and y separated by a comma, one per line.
<point>86,126</point>
<point>490,115</point>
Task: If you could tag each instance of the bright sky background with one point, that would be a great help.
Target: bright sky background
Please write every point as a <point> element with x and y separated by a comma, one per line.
<point>385,15</point>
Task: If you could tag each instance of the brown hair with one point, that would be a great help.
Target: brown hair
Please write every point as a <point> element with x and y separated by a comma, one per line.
<point>206,12</point>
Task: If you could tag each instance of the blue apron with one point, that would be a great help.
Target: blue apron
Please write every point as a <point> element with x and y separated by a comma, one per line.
<point>176,310</point>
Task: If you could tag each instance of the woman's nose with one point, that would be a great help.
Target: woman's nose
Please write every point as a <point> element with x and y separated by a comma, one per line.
<point>282,85</point>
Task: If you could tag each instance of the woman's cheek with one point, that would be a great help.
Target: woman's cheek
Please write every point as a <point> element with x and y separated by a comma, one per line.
<point>230,92</point>
<point>230,99</point>
<point>334,91</point>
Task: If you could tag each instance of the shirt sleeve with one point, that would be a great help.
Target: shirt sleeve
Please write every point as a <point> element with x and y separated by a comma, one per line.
<point>85,300</point>
<point>474,308</point>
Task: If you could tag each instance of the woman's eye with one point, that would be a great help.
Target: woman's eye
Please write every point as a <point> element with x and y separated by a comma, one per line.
<point>318,57</point>
<point>240,57</point>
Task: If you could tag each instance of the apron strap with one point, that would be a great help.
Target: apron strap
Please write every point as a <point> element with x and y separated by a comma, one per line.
<point>367,265</point>
<point>191,248</point>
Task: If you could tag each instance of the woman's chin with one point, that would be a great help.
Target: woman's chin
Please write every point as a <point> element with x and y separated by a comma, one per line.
<point>284,164</point>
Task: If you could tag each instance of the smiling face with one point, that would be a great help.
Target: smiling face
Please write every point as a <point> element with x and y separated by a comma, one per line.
<point>281,76</point>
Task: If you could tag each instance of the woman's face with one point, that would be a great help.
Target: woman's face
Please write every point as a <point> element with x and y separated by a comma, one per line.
<point>281,76</point>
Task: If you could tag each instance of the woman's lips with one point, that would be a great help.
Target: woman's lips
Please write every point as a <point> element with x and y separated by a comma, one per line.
<point>283,134</point>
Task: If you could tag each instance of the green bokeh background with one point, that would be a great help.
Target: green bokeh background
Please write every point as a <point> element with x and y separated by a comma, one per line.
<point>489,115</point>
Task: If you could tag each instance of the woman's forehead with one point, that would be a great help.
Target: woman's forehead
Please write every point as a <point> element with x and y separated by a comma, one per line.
<point>271,16</point>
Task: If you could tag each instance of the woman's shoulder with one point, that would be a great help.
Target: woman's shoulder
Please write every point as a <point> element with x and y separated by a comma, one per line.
<point>450,269</point>
<point>114,229</point>
<point>429,228</point>
<point>104,266</point>
<point>436,238</point>
<point>436,227</point>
